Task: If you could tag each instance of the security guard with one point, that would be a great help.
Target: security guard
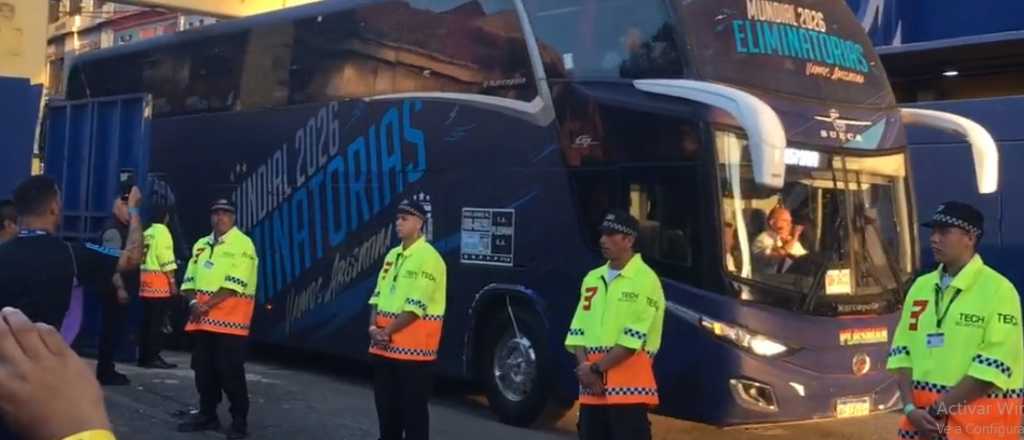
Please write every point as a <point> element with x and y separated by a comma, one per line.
<point>957,350</point>
<point>406,317</point>
<point>157,286</point>
<point>615,334</point>
<point>221,277</point>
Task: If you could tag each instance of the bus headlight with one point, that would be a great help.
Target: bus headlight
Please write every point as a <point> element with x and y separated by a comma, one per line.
<point>758,344</point>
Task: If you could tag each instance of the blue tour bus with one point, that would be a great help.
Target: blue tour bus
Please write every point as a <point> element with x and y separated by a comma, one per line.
<point>518,123</point>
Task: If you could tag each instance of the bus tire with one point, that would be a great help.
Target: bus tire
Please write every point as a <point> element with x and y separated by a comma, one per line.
<point>511,367</point>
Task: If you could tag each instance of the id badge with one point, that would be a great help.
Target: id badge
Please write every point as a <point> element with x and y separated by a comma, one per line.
<point>208,265</point>
<point>936,340</point>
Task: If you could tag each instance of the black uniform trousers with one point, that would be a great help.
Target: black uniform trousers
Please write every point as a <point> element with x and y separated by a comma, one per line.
<point>219,363</point>
<point>112,323</point>
<point>614,422</point>
<point>151,335</point>
<point>402,392</point>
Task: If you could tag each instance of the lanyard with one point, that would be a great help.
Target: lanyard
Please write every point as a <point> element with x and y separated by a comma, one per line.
<point>399,261</point>
<point>938,303</point>
<point>32,232</point>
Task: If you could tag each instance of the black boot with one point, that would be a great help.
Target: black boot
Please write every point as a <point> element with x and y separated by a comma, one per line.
<point>165,363</point>
<point>157,363</point>
<point>238,430</point>
<point>200,422</point>
<point>112,377</point>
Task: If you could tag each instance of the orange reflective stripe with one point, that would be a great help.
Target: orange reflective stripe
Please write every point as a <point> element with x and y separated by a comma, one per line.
<point>233,316</point>
<point>154,285</point>
<point>631,382</point>
<point>417,342</point>
<point>996,416</point>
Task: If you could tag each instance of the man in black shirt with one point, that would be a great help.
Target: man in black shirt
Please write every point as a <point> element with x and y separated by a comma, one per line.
<point>115,296</point>
<point>37,268</point>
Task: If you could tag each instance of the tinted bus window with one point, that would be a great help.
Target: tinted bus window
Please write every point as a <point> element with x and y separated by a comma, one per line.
<point>267,66</point>
<point>419,46</point>
<point>214,80</point>
<point>329,60</point>
<point>809,48</point>
<point>650,165</point>
<point>164,74</point>
<point>608,38</point>
<point>107,77</point>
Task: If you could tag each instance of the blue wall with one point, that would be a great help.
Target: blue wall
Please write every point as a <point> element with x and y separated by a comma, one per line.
<point>18,115</point>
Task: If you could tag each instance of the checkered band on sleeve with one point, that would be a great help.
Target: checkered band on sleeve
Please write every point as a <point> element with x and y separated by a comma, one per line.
<point>640,336</point>
<point>422,306</point>
<point>236,281</point>
<point>993,363</point>
<point>899,351</point>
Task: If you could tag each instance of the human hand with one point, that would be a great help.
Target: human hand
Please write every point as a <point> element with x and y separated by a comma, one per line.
<point>135,198</point>
<point>381,337</point>
<point>196,311</point>
<point>927,426</point>
<point>589,380</point>
<point>46,391</point>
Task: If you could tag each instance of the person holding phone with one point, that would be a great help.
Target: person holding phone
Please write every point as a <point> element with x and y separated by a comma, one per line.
<point>116,295</point>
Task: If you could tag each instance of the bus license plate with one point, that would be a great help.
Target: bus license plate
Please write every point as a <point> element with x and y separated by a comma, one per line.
<point>853,407</point>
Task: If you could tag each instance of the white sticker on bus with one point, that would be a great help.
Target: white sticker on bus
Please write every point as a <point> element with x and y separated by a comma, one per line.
<point>837,282</point>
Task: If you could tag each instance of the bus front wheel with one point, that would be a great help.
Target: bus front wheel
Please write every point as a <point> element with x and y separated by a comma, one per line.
<point>512,367</point>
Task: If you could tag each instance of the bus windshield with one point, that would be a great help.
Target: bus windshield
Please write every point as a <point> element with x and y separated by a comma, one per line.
<point>840,226</point>
<point>607,39</point>
<point>809,48</point>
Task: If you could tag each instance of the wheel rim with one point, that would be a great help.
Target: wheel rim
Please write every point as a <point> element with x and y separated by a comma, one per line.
<point>515,367</point>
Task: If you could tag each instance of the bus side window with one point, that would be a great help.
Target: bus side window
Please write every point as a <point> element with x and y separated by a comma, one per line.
<point>596,191</point>
<point>215,74</point>
<point>333,58</point>
<point>164,75</point>
<point>267,66</point>
<point>666,208</point>
<point>462,46</point>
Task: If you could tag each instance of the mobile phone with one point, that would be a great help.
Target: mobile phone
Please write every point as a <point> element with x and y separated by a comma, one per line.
<point>127,181</point>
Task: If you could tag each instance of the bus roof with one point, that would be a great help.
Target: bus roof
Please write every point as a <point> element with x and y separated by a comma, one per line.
<point>226,27</point>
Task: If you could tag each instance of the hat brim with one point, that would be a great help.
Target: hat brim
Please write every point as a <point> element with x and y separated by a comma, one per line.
<point>610,230</point>
<point>407,211</point>
<point>937,224</point>
<point>931,224</point>
<point>225,208</point>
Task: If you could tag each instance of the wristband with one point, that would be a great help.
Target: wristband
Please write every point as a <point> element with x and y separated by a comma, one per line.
<point>134,211</point>
<point>909,408</point>
<point>95,434</point>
